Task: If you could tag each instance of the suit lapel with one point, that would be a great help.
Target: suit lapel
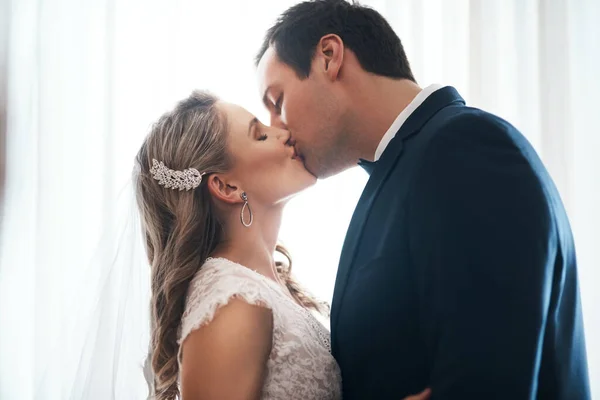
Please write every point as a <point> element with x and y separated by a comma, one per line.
<point>379,175</point>
<point>359,218</point>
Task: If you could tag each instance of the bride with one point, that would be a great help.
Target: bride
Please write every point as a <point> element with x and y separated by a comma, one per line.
<point>228,321</point>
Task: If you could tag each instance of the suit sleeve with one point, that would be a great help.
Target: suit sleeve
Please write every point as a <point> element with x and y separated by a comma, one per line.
<point>481,242</point>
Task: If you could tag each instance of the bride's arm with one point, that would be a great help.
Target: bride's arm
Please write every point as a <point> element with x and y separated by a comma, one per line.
<point>227,358</point>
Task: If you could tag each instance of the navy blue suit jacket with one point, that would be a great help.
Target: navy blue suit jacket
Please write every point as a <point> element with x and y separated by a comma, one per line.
<point>458,271</point>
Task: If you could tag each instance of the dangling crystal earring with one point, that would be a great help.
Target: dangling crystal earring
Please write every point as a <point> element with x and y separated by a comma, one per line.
<point>244,197</point>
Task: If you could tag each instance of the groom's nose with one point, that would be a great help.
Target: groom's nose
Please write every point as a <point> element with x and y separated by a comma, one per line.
<point>277,122</point>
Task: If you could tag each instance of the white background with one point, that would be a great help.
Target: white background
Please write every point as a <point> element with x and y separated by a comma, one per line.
<point>87,78</point>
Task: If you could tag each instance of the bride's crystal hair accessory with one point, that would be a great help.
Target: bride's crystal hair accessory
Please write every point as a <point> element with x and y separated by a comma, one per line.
<point>183,180</point>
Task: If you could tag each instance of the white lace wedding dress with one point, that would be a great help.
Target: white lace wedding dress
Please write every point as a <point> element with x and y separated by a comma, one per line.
<point>300,365</point>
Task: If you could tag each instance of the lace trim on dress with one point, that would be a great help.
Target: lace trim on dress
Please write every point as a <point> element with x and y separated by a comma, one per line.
<point>210,290</point>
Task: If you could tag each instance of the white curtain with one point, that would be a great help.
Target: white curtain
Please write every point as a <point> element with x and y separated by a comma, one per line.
<point>86,79</point>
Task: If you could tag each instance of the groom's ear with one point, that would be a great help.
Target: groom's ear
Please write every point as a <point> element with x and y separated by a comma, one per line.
<point>330,51</point>
<point>223,189</point>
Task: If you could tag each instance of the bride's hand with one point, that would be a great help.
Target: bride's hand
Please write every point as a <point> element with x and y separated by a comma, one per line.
<point>424,395</point>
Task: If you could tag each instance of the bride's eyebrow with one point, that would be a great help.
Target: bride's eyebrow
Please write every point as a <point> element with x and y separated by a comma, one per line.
<point>253,122</point>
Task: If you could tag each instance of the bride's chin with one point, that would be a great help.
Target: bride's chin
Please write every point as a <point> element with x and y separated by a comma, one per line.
<point>308,182</point>
<point>308,179</point>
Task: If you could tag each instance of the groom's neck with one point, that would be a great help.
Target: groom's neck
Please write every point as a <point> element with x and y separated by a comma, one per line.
<point>378,101</point>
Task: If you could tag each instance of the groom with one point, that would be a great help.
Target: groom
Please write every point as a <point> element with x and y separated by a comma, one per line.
<point>458,272</point>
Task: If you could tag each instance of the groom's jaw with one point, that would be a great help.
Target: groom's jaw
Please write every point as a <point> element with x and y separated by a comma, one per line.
<point>303,160</point>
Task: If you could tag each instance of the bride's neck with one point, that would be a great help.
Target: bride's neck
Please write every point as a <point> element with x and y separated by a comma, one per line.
<point>253,246</point>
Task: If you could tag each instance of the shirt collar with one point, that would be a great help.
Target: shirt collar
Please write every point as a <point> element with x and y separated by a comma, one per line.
<point>403,116</point>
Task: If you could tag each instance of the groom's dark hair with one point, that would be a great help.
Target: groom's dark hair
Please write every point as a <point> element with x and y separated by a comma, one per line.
<point>298,30</point>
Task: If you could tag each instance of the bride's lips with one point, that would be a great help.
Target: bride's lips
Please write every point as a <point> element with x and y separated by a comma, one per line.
<point>296,156</point>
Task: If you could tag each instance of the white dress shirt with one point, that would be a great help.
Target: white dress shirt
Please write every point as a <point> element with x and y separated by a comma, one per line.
<point>403,116</point>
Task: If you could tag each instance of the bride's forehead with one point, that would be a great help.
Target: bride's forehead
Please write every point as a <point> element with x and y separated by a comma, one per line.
<point>238,118</point>
<point>235,114</point>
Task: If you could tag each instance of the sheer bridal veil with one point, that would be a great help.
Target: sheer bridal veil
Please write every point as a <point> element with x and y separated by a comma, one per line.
<point>103,355</point>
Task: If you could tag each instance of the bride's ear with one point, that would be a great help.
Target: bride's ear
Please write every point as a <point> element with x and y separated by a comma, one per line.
<point>223,189</point>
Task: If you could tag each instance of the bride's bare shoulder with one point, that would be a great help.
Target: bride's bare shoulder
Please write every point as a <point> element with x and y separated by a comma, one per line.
<point>227,358</point>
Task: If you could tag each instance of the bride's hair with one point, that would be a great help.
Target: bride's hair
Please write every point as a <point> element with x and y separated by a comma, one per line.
<point>181,227</point>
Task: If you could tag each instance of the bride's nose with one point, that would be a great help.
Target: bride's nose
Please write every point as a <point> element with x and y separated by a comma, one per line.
<point>277,122</point>
<point>283,135</point>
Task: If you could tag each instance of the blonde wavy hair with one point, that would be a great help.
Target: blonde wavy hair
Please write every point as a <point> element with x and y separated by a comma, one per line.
<point>182,228</point>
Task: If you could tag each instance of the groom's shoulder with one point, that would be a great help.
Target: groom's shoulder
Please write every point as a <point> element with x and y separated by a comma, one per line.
<point>473,125</point>
<point>464,119</point>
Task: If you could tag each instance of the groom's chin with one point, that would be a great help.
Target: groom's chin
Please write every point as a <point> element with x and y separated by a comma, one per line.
<point>327,171</point>
<point>307,167</point>
<point>311,172</point>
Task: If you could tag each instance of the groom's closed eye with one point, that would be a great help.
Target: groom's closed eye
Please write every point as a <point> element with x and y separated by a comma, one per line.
<point>272,105</point>
<point>277,105</point>
<point>267,98</point>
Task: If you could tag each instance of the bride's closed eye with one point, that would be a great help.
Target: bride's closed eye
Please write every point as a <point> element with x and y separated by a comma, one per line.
<point>260,135</point>
<point>256,131</point>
